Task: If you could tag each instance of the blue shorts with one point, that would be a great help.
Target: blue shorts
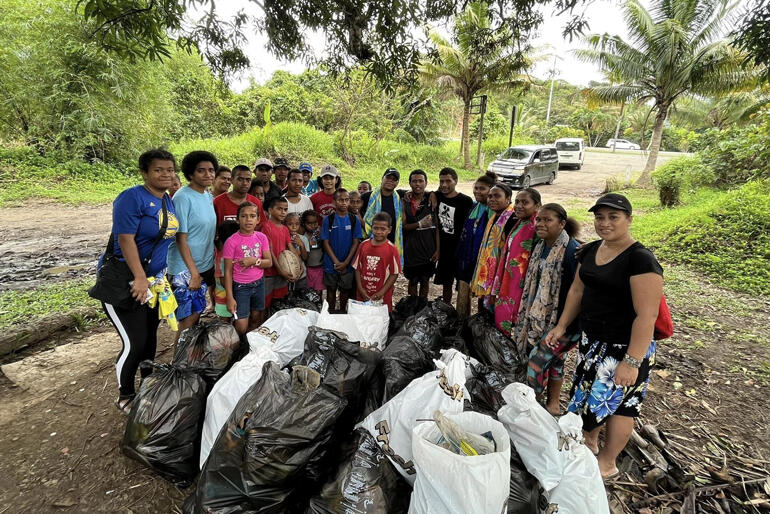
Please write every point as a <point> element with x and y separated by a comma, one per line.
<point>249,297</point>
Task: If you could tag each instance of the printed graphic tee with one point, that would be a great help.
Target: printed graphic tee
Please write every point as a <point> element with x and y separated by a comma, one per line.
<point>376,263</point>
<point>238,247</point>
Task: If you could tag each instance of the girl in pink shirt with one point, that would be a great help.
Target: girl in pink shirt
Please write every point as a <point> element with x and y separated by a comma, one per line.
<point>246,254</point>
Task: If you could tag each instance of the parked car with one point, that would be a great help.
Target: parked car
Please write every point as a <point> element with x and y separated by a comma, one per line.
<point>524,166</point>
<point>622,144</point>
<point>571,152</point>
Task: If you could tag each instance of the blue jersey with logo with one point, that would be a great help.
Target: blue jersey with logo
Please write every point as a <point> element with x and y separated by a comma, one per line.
<point>340,233</point>
<point>138,212</point>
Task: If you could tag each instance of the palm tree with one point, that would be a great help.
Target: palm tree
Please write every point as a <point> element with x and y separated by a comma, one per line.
<point>674,50</point>
<point>479,59</point>
<point>734,108</point>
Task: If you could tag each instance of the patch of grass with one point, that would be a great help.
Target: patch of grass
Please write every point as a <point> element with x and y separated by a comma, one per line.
<point>25,174</point>
<point>18,307</point>
<point>725,234</point>
<point>683,288</point>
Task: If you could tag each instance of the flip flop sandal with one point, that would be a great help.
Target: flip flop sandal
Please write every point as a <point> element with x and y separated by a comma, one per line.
<point>611,475</point>
<point>124,405</point>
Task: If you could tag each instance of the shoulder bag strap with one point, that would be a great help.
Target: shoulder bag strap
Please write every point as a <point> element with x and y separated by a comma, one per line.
<point>161,233</point>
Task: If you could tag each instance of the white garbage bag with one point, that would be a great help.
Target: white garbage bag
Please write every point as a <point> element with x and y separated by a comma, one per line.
<point>364,323</point>
<point>228,391</point>
<point>343,323</point>
<point>470,362</point>
<point>458,484</point>
<point>286,331</point>
<point>375,320</point>
<point>581,488</point>
<point>392,424</point>
<point>534,432</point>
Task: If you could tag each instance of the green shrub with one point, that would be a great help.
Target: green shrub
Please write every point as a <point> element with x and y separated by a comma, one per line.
<point>723,233</point>
<point>297,141</point>
<point>680,173</point>
<point>230,151</point>
<point>737,155</point>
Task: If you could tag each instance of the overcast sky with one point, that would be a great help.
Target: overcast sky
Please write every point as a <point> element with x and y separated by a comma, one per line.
<point>603,16</point>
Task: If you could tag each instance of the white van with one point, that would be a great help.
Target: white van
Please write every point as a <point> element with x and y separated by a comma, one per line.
<point>571,151</point>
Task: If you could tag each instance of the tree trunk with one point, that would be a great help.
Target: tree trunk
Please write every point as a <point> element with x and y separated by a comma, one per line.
<point>466,134</point>
<point>657,135</point>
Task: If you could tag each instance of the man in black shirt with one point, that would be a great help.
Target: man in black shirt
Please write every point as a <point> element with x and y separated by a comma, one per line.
<point>389,183</point>
<point>420,236</point>
<point>452,208</point>
<point>262,172</point>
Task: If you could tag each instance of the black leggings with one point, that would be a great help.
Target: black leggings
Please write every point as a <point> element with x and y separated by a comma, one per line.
<point>138,329</point>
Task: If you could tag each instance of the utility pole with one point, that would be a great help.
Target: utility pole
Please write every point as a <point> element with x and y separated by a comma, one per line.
<point>513,123</point>
<point>617,127</point>
<point>550,96</point>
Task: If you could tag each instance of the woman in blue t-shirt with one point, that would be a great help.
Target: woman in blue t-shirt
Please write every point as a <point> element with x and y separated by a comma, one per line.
<point>548,278</point>
<point>191,255</point>
<point>141,239</point>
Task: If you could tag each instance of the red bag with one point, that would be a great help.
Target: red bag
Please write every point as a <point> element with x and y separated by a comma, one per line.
<point>664,325</point>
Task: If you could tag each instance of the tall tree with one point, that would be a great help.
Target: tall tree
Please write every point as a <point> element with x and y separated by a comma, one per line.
<point>379,34</point>
<point>480,58</point>
<point>674,50</point>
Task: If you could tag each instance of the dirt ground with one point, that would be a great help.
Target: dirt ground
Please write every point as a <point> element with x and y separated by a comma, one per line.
<point>61,432</point>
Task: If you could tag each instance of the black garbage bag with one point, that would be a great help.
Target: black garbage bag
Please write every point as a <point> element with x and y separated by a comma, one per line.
<point>208,348</point>
<point>456,342</point>
<point>308,299</point>
<point>276,436</point>
<point>345,368</point>
<point>403,361</point>
<point>406,307</point>
<point>492,348</point>
<point>446,316</point>
<point>311,295</point>
<point>525,490</point>
<point>485,387</point>
<point>366,482</point>
<point>424,329</point>
<point>164,425</point>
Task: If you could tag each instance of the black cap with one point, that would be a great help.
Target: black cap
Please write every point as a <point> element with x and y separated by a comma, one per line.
<point>392,171</point>
<point>613,200</point>
<point>280,161</point>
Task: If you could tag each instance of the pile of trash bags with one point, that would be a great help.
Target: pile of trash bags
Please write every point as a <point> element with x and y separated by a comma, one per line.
<point>413,411</point>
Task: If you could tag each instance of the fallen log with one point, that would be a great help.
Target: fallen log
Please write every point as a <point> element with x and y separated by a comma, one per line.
<point>38,329</point>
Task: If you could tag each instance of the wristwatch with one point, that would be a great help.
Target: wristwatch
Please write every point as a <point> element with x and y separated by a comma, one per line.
<point>631,361</point>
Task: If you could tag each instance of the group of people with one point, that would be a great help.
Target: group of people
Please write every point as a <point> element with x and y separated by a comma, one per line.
<point>518,257</point>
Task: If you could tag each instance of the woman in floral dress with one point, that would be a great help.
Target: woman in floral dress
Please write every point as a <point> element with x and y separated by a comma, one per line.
<point>499,203</point>
<point>617,293</point>
<point>512,267</point>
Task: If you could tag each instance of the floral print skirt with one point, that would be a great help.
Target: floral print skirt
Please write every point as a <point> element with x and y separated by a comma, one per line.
<point>594,393</point>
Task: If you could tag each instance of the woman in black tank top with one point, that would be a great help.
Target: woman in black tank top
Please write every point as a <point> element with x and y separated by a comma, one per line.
<point>616,294</point>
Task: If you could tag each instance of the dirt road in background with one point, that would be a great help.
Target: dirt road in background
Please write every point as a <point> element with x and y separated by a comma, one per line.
<point>67,245</point>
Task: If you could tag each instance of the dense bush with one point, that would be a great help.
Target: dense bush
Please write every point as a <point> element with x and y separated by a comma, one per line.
<point>724,233</point>
<point>738,154</point>
<point>678,174</point>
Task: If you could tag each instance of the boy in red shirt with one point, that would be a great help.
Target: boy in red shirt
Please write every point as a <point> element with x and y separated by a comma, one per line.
<point>276,279</point>
<point>377,264</point>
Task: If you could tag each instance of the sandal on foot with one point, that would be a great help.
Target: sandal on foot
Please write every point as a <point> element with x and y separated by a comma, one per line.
<point>613,474</point>
<point>124,404</point>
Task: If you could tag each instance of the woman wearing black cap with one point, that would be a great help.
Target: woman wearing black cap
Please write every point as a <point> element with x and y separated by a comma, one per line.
<point>616,292</point>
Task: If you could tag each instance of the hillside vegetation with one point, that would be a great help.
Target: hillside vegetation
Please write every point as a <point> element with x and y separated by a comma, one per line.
<point>27,174</point>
